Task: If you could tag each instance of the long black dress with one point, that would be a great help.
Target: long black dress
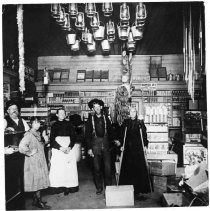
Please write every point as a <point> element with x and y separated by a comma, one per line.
<point>134,169</point>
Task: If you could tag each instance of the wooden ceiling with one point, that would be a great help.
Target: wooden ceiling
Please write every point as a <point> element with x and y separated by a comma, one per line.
<point>163,32</point>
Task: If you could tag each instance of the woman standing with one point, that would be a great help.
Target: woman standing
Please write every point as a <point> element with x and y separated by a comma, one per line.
<point>134,169</point>
<point>63,170</point>
<point>35,167</point>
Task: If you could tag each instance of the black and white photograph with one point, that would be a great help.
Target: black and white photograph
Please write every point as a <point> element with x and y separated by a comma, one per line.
<point>104,105</point>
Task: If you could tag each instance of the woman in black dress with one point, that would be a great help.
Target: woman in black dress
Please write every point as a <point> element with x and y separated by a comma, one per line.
<point>134,169</point>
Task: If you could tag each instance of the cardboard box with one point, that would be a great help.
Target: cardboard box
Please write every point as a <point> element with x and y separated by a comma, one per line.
<point>174,200</point>
<point>159,184</point>
<point>122,195</point>
<point>171,156</point>
<point>163,167</point>
<point>198,181</point>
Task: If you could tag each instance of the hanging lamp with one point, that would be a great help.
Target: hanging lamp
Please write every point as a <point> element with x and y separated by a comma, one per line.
<point>67,24</point>
<point>141,15</point>
<point>124,14</point>
<point>90,9</point>
<point>107,9</point>
<point>94,21</point>
<point>73,10</point>
<point>80,21</point>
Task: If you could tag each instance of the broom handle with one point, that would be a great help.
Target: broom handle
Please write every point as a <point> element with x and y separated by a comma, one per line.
<point>121,157</point>
<point>145,160</point>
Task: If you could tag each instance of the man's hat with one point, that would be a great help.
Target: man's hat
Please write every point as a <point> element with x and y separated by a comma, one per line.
<point>11,103</point>
<point>95,101</point>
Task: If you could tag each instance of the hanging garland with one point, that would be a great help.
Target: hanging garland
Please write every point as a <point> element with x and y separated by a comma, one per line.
<point>21,48</point>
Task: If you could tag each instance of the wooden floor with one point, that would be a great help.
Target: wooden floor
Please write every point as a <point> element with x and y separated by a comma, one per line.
<point>86,197</point>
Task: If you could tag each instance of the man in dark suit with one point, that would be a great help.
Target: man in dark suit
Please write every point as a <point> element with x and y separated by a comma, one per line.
<point>98,136</point>
<point>14,124</point>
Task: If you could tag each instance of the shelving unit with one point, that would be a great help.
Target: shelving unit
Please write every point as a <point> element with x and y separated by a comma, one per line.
<point>76,102</point>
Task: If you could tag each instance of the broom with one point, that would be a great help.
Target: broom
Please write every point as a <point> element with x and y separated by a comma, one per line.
<point>118,164</point>
<point>147,166</point>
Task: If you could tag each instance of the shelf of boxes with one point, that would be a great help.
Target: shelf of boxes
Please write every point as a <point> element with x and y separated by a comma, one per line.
<point>108,97</point>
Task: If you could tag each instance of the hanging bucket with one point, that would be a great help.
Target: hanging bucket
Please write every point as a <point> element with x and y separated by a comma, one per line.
<point>131,46</point>
<point>91,47</point>
<point>99,33</point>
<point>105,45</point>
<point>123,32</point>
<point>71,39</point>
<point>75,46</point>
<point>137,32</point>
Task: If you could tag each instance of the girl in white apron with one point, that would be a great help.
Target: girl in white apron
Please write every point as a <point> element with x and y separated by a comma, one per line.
<point>63,170</point>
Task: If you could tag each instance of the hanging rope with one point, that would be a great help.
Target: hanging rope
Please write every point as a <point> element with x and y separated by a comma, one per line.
<point>21,48</point>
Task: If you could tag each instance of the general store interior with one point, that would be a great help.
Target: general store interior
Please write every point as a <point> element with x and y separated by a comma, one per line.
<point>156,61</point>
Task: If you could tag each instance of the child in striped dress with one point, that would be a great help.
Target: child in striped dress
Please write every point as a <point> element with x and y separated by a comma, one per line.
<point>36,175</point>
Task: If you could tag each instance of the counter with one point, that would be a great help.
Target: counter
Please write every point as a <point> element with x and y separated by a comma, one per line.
<point>14,165</point>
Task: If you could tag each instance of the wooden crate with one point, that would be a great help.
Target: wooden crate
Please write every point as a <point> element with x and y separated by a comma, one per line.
<point>122,195</point>
<point>163,167</point>
<point>175,199</point>
<point>159,184</point>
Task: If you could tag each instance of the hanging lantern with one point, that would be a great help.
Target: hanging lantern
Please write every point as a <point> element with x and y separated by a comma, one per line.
<point>84,35</point>
<point>124,13</point>
<point>80,21</point>
<point>67,24</point>
<point>55,10</point>
<point>61,19</point>
<point>94,21</point>
<point>110,30</point>
<point>90,9</point>
<point>107,9</point>
<point>141,15</point>
<point>73,10</point>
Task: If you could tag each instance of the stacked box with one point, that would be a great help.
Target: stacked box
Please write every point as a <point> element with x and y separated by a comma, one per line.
<point>163,167</point>
<point>122,195</point>
<point>175,200</point>
<point>159,184</point>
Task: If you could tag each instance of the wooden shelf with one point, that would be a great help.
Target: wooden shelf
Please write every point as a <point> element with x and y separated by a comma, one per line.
<point>100,86</point>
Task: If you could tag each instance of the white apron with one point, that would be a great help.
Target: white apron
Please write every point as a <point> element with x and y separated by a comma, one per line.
<point>63,170</point>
